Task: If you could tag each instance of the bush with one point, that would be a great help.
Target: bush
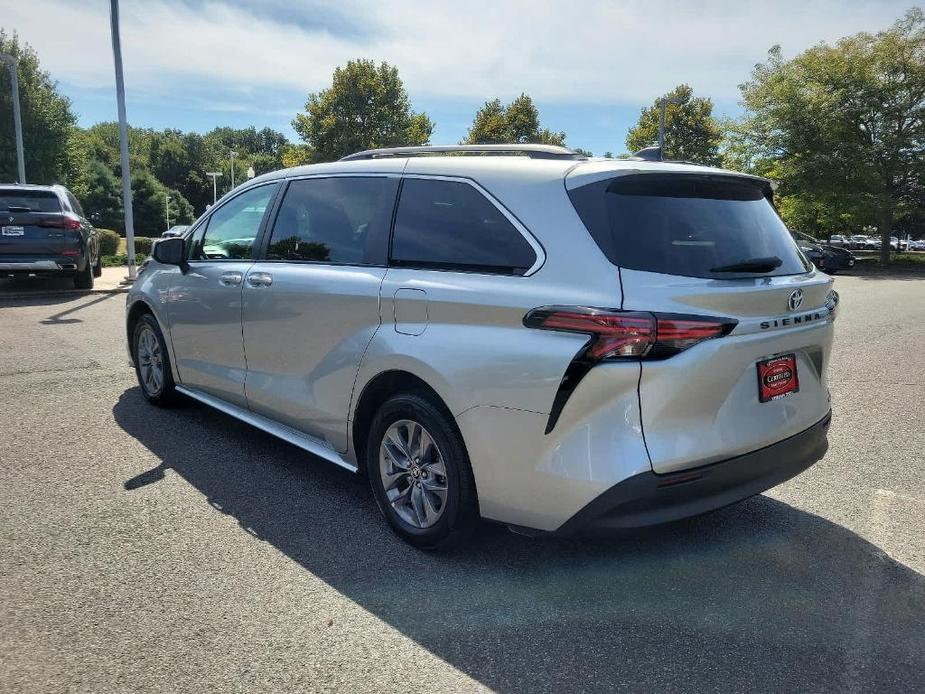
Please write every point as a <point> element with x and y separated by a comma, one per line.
<point>109,241</point>
<point>121,260</point>
<point>143,245</point>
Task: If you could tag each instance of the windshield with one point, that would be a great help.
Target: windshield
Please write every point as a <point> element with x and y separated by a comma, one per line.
<point>687,225</point>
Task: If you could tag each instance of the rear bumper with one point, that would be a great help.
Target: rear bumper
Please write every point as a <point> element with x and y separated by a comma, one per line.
<point>40,266</point>
<point>650,499</point>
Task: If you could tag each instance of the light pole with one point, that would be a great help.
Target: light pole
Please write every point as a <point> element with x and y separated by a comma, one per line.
<point>167,208</point>
<point>215,176</point>
<point>13,64</point>
<point>231,155</point>
<point>123,141</point>
<point>663,105</point>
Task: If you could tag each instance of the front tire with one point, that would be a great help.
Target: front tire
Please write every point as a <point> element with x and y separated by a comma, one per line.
<point>152,362</point>
<point>419,471</point>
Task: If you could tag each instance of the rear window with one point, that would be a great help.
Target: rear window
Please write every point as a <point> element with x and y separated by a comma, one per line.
<point>31,200</point>
<point>685,225</point>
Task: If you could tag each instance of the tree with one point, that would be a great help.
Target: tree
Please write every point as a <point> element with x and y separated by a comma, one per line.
<point>52,155</point>
<point>365,107</point>
<point>691,133</point>
<point>518,122</point>
<point>102,202</point>
<point>843,127</point>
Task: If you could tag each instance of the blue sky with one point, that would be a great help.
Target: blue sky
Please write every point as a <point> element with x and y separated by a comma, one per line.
<point>590,66</point>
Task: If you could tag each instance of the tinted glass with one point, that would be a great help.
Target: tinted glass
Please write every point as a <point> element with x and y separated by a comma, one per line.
<point>32,200</point>
<point>685,225</point>
<point>230,231</point>
<point>450,225</point>
<point>341,220</point>
<point>72,201</point>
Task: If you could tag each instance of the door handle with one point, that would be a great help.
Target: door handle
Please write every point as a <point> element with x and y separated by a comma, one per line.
<point>260,279</point>
<point>230,279</point>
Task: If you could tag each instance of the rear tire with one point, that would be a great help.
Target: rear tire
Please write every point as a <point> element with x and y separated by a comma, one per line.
<point>84,278</point>
<point>98,268</point>
<point>419,472</point>
<point>152,362</point>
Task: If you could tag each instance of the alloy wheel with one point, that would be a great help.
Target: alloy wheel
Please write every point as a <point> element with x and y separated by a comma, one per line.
<point>413,473</point>
<point>150,361</point>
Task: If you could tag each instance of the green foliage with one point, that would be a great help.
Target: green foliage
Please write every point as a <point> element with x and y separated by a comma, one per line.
<point>365,107</point>
<point>518,122</point>
<point>843,128</point>
<point>102,203</point>
<point>585,152</point>
<point>52,154</point>
<point>109,241</point>
<point>143,245</point>
<point>691,132</point>
<point>121,259</point>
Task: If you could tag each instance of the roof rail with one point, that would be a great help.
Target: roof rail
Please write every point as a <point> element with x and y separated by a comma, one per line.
<point>531,151</point>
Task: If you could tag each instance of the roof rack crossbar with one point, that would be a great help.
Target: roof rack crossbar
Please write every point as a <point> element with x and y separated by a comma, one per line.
<point>531,151</point>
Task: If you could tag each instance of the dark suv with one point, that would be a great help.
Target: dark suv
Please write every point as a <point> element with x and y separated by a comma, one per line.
<point>43,231</point>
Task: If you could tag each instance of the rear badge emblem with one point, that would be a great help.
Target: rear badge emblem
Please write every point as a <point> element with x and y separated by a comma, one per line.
<point>796,299</point>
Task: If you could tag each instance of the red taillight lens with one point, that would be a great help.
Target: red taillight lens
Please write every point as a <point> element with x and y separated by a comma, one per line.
<point>629,334</point>
<point>62,222</point>
<point>616,334</point>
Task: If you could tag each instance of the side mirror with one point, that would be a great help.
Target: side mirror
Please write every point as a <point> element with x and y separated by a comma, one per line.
<point>170,251</point>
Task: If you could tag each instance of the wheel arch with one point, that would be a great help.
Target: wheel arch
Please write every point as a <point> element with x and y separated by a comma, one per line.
<point>136,310</point>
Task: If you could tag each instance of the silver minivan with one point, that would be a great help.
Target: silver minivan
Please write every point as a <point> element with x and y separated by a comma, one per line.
<point>515,333</point>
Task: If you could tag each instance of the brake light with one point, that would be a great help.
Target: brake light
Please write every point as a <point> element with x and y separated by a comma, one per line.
<point>629,334</point>
<point>618,335</point>
<point>61,222</point>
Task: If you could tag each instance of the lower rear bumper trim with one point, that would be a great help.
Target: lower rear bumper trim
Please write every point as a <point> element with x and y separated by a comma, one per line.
<point>651,499</point>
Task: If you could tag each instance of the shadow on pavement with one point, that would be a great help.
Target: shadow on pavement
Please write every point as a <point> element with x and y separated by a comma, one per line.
<point>760,596</point>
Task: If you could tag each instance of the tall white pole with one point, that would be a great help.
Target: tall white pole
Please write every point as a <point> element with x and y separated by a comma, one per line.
<point>231,156</point>
<point>123,141</point>
<point>167,208</point>
<point>13,64</point>
<point>215,175</point>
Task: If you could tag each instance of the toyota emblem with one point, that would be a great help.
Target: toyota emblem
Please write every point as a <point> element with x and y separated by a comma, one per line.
<point>796,299</point>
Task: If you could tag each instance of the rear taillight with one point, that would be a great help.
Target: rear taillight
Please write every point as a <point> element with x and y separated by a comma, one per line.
<point>629,334</point>
<point>62,222</point>
<point>620,335</point>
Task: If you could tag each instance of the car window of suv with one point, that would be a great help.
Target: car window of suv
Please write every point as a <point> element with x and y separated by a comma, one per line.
<point>450,225</point>
<point>341,220</point>
<point>75,206</point>
<point>229,232</point>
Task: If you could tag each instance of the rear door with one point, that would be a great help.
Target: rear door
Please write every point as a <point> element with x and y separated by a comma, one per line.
<point>311,302</point>
<point>703,245</point>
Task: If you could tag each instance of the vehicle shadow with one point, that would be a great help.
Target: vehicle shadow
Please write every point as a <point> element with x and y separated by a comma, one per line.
<point>759,596</point>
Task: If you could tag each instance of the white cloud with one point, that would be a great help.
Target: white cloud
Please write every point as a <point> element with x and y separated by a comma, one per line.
<point>604,52</point>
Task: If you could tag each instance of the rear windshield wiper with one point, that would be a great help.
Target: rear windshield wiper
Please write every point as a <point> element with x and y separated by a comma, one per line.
<point>751,265</point>
<point>18,208</point>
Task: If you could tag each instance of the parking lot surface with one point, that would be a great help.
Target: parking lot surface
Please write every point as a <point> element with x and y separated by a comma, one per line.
<point>179,550</point>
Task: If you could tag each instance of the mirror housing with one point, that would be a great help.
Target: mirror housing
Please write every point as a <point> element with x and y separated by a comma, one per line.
<point>170,251</point>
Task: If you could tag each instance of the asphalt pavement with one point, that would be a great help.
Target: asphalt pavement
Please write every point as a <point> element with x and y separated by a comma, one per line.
<point>178,550</point>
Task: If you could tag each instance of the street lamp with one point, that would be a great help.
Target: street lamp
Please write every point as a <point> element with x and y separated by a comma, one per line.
<point>663,105</point>
<point>231,155</point>
<point>13,65</point>
<point>215,176</point>
<point>167,208</point>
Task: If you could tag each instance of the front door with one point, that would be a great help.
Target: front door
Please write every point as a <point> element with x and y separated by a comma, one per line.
<point>311,303</point>
<point>204,301</point>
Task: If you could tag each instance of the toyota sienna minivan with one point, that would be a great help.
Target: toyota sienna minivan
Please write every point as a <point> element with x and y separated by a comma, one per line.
<point>511,332</point>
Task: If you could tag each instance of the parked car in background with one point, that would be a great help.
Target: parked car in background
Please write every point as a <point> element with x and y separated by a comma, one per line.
<point>860,242</point>
<point>175,230</point>
<point>43,231</point>
<point>839,241</point>
<point>828,258</point>
<point>537,339</point>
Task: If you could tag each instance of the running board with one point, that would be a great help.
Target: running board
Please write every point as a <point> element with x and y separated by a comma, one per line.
<point>297,438</point>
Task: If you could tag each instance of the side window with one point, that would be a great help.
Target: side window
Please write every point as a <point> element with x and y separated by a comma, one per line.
<point>452,226</point>
<point>342,219</point>
<point>229,233</point>
<point>72,201</point>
